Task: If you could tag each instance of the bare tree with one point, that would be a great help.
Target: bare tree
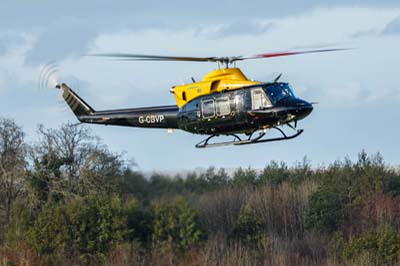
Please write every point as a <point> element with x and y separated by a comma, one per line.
<point>12,164</point>
<point>74,161</point>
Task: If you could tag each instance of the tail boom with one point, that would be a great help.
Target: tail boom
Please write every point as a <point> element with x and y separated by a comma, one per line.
<point>149,117</point>
<point>152,117</point>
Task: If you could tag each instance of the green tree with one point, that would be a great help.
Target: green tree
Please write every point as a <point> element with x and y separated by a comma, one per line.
<point>176,225</point>
<point>343,186</point>
<point>388,242</point>
<point>196,183</point>
<point>336,246</point>
<point>12,166</point>
<point>43,179</point>
<point>302,171</point>
<point>50,233</point>
<point>133,183</point>
<point>248,227</point>
<point>97,224</point>
<point>101,172</point>
<point>247,177</point>
<point>161,185</point>
<point>20,222</point>
<point>325,212</point>
<point>71,161</point>
<point>214,179</point>
<point>139,221</point>
<point>382,244</point>
<point>86,228</point>
<point>274,173</point>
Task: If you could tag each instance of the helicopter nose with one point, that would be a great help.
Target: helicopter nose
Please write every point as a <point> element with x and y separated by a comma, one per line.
<point>303,109</point>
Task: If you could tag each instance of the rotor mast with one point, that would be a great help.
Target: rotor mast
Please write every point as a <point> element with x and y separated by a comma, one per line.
<point>226,61</point>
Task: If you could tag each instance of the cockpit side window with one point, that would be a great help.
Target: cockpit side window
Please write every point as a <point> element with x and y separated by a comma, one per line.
<point>259,99</point>
<point>279,91</point>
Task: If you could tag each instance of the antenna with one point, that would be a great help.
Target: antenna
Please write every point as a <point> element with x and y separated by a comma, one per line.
<point>277,78</point>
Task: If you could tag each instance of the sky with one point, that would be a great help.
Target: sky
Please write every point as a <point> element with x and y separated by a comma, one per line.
<point>358,91</point>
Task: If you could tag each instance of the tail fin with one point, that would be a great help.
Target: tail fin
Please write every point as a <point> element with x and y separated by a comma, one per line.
<point>76,103</point>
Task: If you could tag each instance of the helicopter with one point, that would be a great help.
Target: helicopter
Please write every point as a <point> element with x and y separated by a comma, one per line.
<point>224,103</point>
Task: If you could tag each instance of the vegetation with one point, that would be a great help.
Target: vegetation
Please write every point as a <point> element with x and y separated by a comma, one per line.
<point>67,200</point>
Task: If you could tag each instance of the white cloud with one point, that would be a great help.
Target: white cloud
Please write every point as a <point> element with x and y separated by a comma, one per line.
<point>332,77</point>
<point>12,62</point>
<point>2,80</point>
<point>393,27</point>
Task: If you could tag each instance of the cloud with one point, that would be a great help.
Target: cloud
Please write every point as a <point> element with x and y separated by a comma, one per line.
<point>365,33</point>
<point>14,73</point>
<point>165,13</point>
<point>393,27</point>
<point>237,28</point>
<point>64,37</point>
<point>9,41</point>
<point>69,28</point>
<point>71,36</point>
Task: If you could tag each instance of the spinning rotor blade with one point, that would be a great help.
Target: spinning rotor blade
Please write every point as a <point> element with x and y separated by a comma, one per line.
<point>288,53</point>
<point>141,57</point>
<point>224,60</point>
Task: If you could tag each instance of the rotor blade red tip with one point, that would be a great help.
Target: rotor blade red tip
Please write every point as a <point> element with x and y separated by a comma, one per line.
<point>278,54</point>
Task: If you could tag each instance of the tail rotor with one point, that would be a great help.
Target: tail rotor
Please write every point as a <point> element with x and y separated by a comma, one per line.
<point>49,75</point>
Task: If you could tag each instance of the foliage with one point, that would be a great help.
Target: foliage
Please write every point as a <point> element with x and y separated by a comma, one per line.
<point>12,166</point>
<point>216,180</point>
<point>176,225</point>
<point>139,221</point>
<point>70,162</point>
<point>96,225</point>
<point>67,199</point>
<point>49,234</point>
<point>382,244</point>
<point>325,213</point>
<point>88,227</point>
<point>246,177</point>
<point>20,223</point>
<point>274,173</point>
<point>248,227</point>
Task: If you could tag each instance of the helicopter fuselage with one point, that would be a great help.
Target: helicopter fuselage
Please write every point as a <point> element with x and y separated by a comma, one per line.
<point>243,110</point>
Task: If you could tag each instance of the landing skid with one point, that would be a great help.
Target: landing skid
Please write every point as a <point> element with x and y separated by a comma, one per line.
<point>238,141</point>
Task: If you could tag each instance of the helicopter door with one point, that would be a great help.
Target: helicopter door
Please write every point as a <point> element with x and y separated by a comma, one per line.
<point>259,99</point>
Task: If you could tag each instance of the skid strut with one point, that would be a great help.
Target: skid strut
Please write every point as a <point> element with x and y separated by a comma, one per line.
<point>238,141</point>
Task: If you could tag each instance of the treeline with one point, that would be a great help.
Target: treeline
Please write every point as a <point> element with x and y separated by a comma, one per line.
<point>66,199</point>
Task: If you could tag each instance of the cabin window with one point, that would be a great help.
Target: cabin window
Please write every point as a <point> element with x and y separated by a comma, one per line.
<point>259,99</point>
<point>223,106</point>
<point>208,108</point>
<point>184,95</point>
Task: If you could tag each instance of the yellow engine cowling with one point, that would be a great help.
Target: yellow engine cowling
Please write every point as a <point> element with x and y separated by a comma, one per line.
<point>214,81</point>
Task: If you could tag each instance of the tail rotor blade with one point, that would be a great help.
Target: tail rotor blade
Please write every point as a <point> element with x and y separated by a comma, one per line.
<point>48,77</point>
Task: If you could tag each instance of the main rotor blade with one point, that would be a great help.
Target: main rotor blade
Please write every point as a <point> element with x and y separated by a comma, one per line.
<point>288,53</point>
<point>141,57</point>
<point>224,60</point>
